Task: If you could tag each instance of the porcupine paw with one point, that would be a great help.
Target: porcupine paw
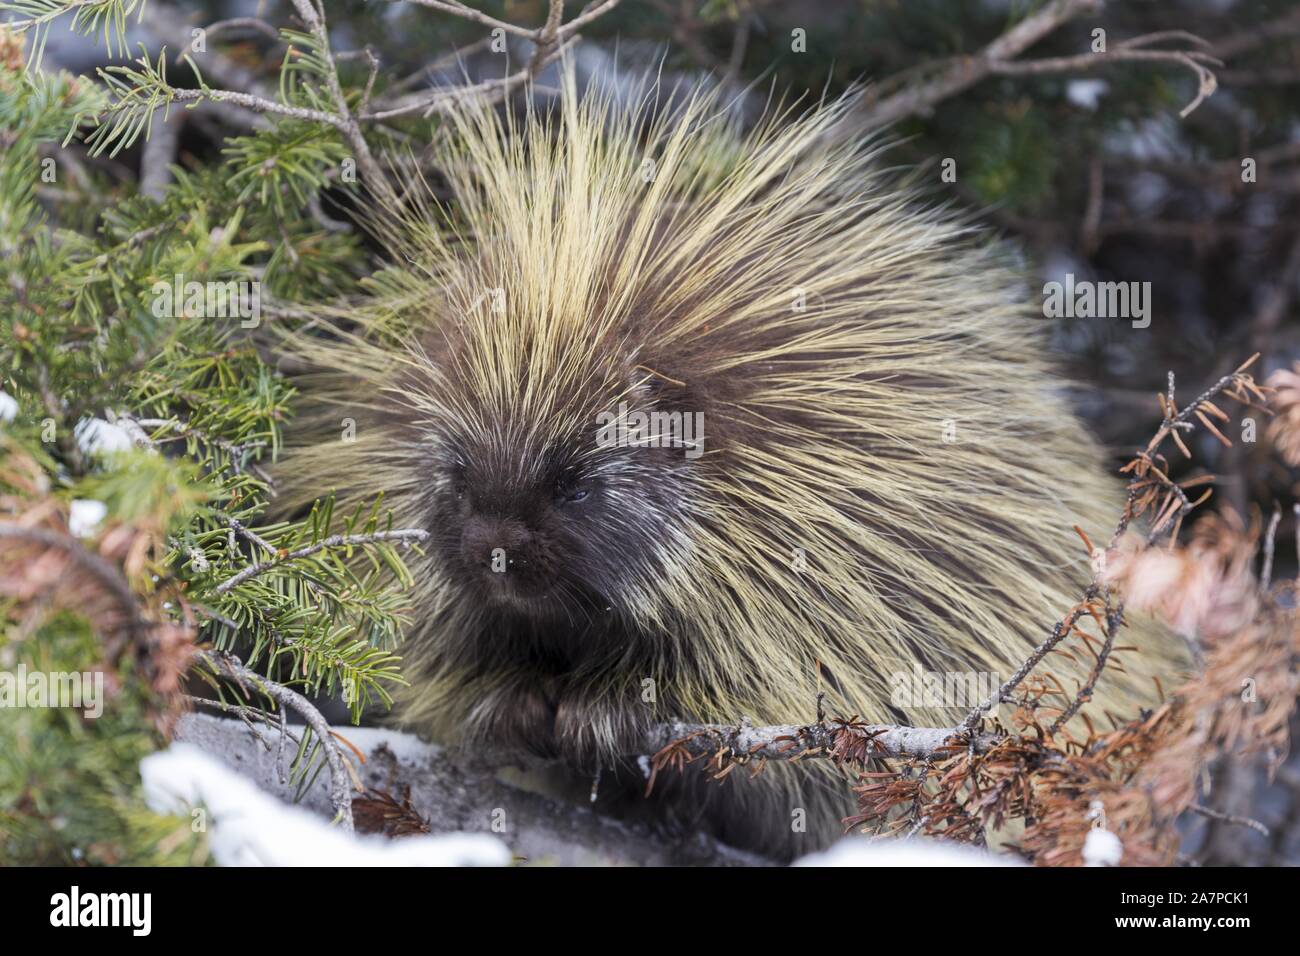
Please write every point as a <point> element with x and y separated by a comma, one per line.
<point>519,720</point>
<point>590,733</point>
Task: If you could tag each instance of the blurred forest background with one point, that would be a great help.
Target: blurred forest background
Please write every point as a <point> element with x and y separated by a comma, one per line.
<point>1084,164</point>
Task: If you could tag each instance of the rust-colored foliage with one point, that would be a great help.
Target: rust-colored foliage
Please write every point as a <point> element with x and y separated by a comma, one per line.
<point>1284,430</point>
<point>43,566</point>
<point>378,811</point>
<point>1045,786</point>
<point>1053,775</point>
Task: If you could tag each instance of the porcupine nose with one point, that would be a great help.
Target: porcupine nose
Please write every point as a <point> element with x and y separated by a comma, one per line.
<point>496,546</point>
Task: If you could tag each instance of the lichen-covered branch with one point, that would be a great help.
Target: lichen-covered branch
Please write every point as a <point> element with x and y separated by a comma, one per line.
<point>834,739</point>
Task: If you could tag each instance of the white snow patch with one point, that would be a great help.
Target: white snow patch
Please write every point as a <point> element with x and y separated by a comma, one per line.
<point>98,437</point>
<point>85,516</point>
<point>248,827</point>
<point>405,746</point>
<point>1102,848</point>
<point>1086,93</point>
<point>8,407</point>
<point>860,851</point>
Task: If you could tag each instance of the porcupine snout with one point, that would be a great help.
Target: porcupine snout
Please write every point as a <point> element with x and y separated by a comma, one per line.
<point>504,553</point>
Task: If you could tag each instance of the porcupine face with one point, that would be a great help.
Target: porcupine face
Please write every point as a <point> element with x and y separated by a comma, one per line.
<point>551,522</point>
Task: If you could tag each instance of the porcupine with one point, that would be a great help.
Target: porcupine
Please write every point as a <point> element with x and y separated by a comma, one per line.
<point>886,478</point>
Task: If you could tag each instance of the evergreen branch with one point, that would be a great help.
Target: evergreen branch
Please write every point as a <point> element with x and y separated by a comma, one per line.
<point>229,666</point>
<point>87,17</point>
<point>334,541</point>
<point>142,90</point>
<point>235,450</point>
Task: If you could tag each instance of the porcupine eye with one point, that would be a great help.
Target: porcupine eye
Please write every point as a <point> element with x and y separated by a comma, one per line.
<point>573,494</point>
<point>458,485</point>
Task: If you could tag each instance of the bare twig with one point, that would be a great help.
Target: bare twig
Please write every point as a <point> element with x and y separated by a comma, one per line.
<point>957,75</point>
<point>1195,60</point>
<point>538,34</point>
<point>1114,617</point>
<point>256,103</point>
<point>552,40</point>
<point>489,91</point>
<point>1060,631</point>
<point>476,16</point>
<point>1213,814</point>
<point>248,533</point>
<point>954,75</point>
<point>248,715</point>
<point>1266,573</point>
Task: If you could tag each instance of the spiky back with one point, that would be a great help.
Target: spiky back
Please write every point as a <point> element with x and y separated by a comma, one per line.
<point>890,478</point>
